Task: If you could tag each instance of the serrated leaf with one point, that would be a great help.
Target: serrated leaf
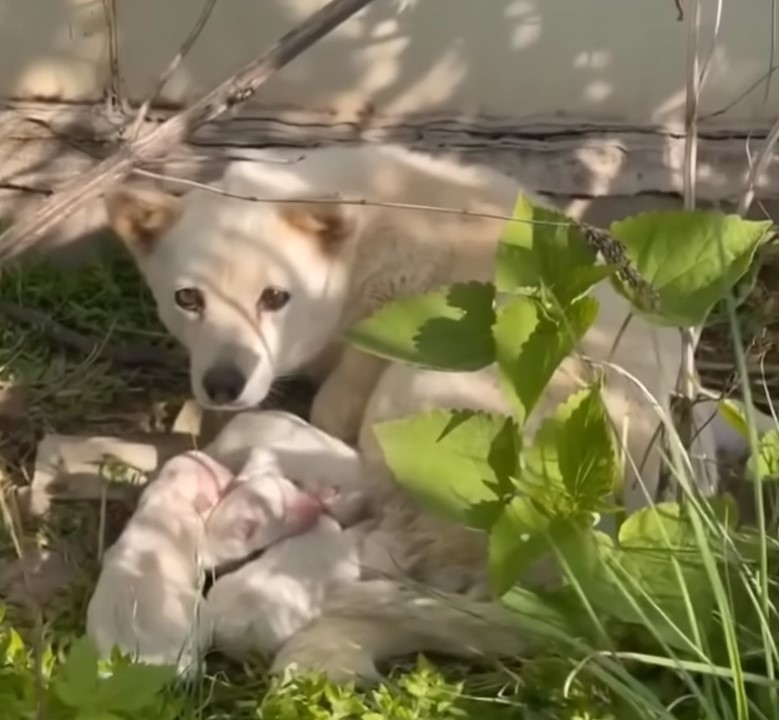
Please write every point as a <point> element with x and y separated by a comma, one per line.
<point>530,344</point>
<point>679,254</point>
<point>588,459</point>
<point>446,329</point>
<point>458,463</point>
<point>544,248</point>
<point>133,687</point>
<point>76,682</point>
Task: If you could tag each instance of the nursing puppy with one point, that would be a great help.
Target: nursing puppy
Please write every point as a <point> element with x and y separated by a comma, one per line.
<point>319,464</point>
<point>258,290</point>
<point>147,601</point>
<point>260,508</point>
<point>261,605</point>
<point>195,516</point>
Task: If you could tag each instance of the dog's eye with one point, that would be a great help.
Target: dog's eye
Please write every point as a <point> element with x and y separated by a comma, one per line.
<point>190,299</point>
<point>272,299</point>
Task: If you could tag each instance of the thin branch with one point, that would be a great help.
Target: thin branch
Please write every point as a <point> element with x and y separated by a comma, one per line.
<point>31,227</point>
<point>689,335</point>
<point>113,92</point>
<point>191,39</point>
<point>757,168</point>
<point>772,54</point>
<point>597,239</point>
<point>742,96</point>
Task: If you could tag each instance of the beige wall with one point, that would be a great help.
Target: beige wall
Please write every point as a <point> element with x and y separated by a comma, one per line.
<point>608,59</point>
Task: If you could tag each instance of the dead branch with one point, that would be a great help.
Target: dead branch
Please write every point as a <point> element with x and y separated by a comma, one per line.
<point>114,97</point>
<point>31,227</point>
<point>187,45</point>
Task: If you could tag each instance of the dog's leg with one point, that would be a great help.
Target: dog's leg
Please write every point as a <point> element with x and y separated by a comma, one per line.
<point>369,622</point>
<point>339,404</point>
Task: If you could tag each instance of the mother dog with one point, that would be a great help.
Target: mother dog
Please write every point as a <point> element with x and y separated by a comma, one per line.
<point>259,290</point>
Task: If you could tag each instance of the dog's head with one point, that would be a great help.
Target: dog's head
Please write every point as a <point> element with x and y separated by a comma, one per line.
<point>253,290</point>
<point>191,479</point>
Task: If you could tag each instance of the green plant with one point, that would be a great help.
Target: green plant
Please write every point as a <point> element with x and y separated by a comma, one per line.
<point>74,685</point>
<point>680,586</point>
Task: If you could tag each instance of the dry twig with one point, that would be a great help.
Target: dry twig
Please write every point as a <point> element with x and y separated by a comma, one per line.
<point>191,39</point>
<point>31,227</point>
<point>113,92</point>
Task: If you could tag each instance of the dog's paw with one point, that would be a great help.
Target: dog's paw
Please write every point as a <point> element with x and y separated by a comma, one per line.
<point>322,649</point>
<point>338,410</point>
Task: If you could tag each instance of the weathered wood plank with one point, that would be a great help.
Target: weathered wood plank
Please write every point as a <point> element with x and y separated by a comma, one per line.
<point>43,145</point>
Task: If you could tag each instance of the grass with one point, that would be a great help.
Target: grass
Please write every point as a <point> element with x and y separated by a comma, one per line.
<point>68,392</point>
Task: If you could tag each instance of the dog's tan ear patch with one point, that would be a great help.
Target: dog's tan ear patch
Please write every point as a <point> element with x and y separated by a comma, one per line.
<point>330,224</point>
<point>141,217</point>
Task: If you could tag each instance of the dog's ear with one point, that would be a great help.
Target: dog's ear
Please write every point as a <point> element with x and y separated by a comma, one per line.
<point>330,224</point>
<point>140,216</point>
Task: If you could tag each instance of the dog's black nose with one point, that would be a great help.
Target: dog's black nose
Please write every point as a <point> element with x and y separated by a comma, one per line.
<point>224,383</point>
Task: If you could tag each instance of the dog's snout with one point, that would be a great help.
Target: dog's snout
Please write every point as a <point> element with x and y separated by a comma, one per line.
<point>224,383</point>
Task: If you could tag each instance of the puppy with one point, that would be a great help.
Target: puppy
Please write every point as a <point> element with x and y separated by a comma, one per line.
<point>317,462</point>
<point>258,607</point>
<point>260,508</point>
<point>147,601</point>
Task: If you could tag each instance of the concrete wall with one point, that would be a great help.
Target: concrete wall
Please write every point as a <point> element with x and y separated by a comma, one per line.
<point>619,60</point>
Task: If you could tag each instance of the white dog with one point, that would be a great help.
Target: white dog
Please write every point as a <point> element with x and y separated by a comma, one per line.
<point>319,464</point>
<point>259,509</point>
<point>194,516</point>
<point>259,290</point>
<point>261,605</point>
<point>147,601</point>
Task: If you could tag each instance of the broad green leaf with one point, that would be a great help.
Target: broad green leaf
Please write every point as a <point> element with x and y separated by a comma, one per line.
<point>679,254</point>
<point>133,687</point>
<point>530,344</point>
<point>572,466</point>
<point>517,541</point>
<point>734,415</point>
<point>77,680</point>
<point>446,329</point>
<point>458,463</point>
<point>588,459</point>
<point>544,248</point>
<point>765,465</point>
<point>660,560</point>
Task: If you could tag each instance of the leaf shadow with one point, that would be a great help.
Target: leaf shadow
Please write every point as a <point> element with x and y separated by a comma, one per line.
<point>464,342</point>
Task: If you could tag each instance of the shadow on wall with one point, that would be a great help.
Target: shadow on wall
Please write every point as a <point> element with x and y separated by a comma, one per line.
<point>619,60</point>
<point>611,59</point>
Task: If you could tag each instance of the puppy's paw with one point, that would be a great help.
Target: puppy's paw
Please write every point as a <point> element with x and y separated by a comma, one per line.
<point>325,649</point>
<point>338,410</point>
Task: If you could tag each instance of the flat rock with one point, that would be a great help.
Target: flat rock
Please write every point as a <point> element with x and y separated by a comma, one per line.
<point>72,467</point>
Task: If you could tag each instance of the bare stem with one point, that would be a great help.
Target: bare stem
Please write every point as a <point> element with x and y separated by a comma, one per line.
<point>190,41</point>
<point>30,228</point>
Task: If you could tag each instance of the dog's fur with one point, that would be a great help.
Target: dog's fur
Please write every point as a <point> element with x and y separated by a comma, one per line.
<point>316,462</point>
<point>147,599</point>
<point>261,605</point>
<point>339,263</point>
<point>261,507</point>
